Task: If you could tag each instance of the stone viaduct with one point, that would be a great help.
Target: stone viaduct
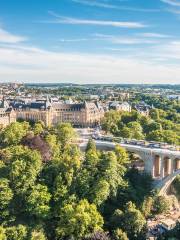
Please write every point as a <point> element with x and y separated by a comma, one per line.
<point>162,164</point>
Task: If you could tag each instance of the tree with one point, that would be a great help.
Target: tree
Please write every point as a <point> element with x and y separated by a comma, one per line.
<point>65,133</point>
<point>154,114</point>
<point>78,219</point>
<point>153,126</point>
<point>139,184</point>
<point>120,235</point>
<point>91,145</point>
<point>111,171</point>
<point>136,130</point>
<point>37,235</point>
<point>6,196</point>
<point>91,157</point>
<point>161,205</point>
<point>99,192</point>
<point>38,128</point>
<point>51,139</point>
<point>24,166</point>
<point>2,233</point>
<point>131,220</point>
<point>16,232</point>
<point>156,135</point>
<point>122,156</point>
<point>37,201</point>
<point>170,137</point>
<point>127,117</point>
<point>126,132</point>
<point>147,206</point>
<point>71,158</point>
<point>13,134</point>
<point>111,118</point>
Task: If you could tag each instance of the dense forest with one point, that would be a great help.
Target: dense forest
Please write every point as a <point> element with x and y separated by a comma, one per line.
<point>49,189</point>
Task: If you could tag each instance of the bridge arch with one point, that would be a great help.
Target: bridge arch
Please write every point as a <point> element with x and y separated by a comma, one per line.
<point>164,185</point>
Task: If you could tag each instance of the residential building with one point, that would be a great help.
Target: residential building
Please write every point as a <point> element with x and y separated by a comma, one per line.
<point>124,106</point>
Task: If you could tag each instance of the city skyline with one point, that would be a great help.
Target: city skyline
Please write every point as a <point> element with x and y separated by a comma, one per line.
<point>98,41</point>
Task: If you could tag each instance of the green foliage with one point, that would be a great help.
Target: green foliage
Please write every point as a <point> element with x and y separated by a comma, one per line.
<point>51,139</point>
<point>120,235</point>
<point>24,167</point>
<point>140,185</point>
<point>110,120</point>
<point>130,220</point>
<point>5,193</point>
<point>147,206</point>
<point>78,219</point>
<point>176,185</point>
<point>3,233</point>
<point>100,192</point>
<point>16,232</point>
<point>73,194</point>
<point>38,128</point>
<point>167,136</point>
<point>160,126</point>
<point>6,196</point>
<point>37,201</point>
<point>37,235</point>
<point>13,134</point>
<point>161,205</point>
<point>65,133</point>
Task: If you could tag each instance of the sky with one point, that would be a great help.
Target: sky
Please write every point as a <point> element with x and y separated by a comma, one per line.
<point>90,41</point>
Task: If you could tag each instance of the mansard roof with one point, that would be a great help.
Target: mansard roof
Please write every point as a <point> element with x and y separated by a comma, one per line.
<point>31,105</point>
<point>76,106</point>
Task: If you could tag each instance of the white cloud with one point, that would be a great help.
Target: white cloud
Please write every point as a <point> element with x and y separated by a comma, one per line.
<point>93,3</point>
<point>6,37</point>
<point>170,50</point>
<point>74,40</point>
<point>124,40</point>
<point>172,2</point>
<point>154,35</point>
<point>76,21</point>
<point>35,65</point>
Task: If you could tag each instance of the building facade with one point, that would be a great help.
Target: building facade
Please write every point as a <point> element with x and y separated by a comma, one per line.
<point>86,114</point>
<point>122,107</point>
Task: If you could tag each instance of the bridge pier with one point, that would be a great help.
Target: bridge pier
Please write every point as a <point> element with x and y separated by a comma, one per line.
<point>176,164</point>
<point>157,166</point>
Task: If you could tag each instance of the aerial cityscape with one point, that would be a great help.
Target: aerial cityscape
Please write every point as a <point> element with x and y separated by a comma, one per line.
<point>89,120</point>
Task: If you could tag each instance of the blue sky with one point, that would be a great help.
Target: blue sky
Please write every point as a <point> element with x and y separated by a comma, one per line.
<point>90,41</point>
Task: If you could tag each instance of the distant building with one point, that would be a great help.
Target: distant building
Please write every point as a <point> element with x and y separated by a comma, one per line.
<point>173,97</point>
<point>86,114</point>
<point>7,114</point>
<point>143,108</point>
<point>124,107</point>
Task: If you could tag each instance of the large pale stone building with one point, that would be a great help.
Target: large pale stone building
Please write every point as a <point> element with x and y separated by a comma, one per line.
<point>86,114</point>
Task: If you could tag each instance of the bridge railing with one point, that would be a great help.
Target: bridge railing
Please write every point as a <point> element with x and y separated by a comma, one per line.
<point>143,143</point>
